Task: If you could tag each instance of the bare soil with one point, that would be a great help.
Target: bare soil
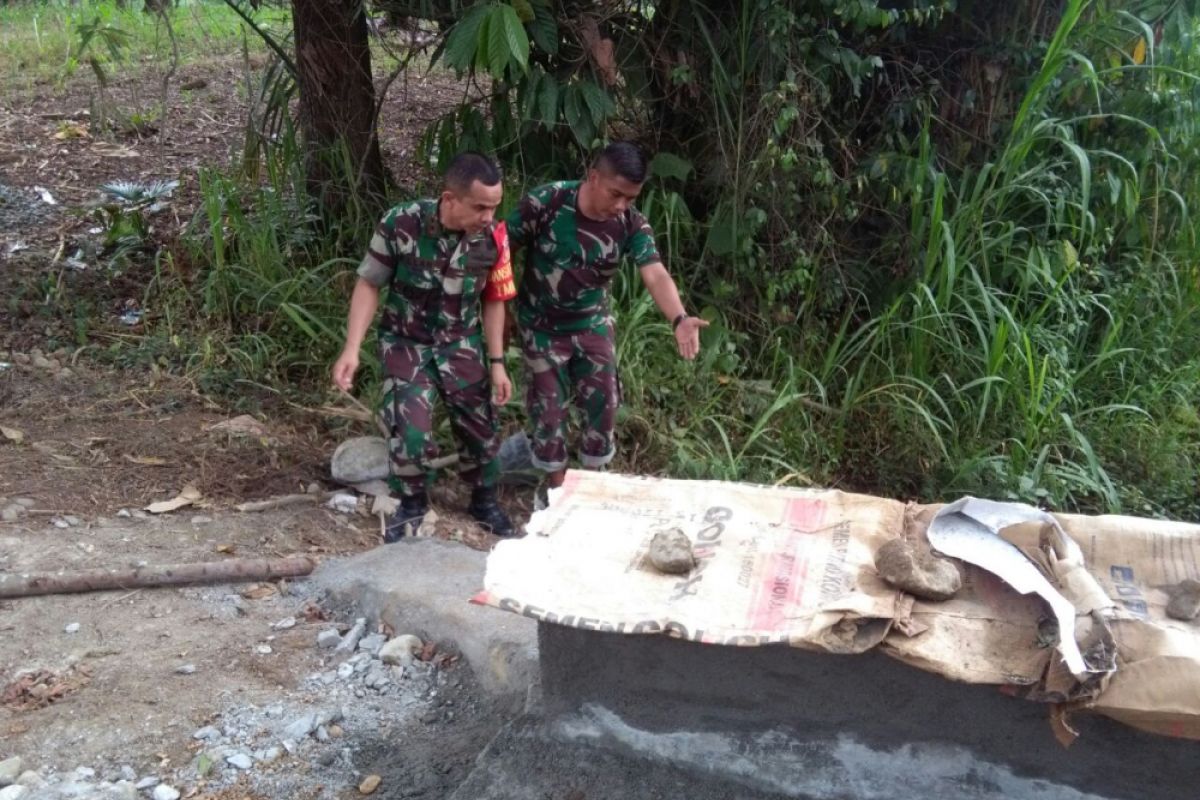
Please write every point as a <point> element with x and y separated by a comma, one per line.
<point>95,442</point>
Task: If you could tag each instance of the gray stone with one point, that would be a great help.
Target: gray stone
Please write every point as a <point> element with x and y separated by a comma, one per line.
<point>372,643</point>
<point>72,628</point>
<point>25,502</point>
<point>41,362</point>
<point>376,678</point>
<point>345,670</point>
<point>128,773</point>
<point>671,552</point>
<point>240,760</point>
<point>301,727</point>
<point>11,513</point>
<point>263,650</point>
<point>328,639</point>
<point>285,624</point>
<point>72,520</point>
<point>148,782</point>
<point>359,460</point>
<point>185,669</point>
<point>31,779</point>
<point>915,569</point>
<point>329,716</point>
<point>1185,600</point>
<point>401,650</point>
<point>165,792</point>
<point>271,754</point>
<point>322,734</point>
<point>352,637</point>
<point>122,790</point>
<point>10,768</point>
<point>124,512</point>
<point>421,585</point>
<point>207,734</point>
<point>60,523</point>
<point>14,792</point>
<point>201,520</point>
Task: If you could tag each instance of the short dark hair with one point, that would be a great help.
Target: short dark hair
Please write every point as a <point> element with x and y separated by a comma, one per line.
<point>468,167</point>
<point>623,158</point>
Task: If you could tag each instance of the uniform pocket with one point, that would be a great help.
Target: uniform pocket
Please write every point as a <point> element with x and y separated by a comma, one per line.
<point>419,273</point>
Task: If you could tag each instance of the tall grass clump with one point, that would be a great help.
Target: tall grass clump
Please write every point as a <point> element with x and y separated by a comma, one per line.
<point>257,288</point>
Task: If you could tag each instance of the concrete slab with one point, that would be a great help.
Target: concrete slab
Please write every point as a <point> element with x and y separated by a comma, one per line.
<point>423,586</point>
<point>813,725</point>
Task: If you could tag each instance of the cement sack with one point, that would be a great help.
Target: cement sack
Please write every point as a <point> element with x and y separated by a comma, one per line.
<point>797,566</point>
<point>773,565</point>
<point>1144,668</point>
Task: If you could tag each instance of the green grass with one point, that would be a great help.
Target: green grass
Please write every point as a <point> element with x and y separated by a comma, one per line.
<point>39,41</point>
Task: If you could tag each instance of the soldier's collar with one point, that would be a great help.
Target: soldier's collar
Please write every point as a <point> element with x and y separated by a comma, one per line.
<point>433,222</point>
<point>434,227</point>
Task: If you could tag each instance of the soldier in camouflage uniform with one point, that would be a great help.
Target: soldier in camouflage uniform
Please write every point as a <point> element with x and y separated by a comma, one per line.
<point>439,259</point>
<point>575,236</point>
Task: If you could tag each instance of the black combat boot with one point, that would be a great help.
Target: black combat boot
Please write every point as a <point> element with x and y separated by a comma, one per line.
<point>407,519</point>
<point>487,512</point>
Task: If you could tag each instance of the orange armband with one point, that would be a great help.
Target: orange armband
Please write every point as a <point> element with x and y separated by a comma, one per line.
<point>500,284</point>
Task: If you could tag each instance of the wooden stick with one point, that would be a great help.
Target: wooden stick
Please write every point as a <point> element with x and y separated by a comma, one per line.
<point>96,580</point>
<point>281,502</point>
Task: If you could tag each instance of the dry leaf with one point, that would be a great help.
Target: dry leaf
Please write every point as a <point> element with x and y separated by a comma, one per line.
<point>114,150</point>
<point>71,130</point>
<point>600,49</point>
<point>225,548</point>
<point>12,434</point>
<point>245,425</point>
<point>186,497</point>
<point>43,447</point>
<point>1139,51</point>
<point>259,591</point>
<point>147,461</point>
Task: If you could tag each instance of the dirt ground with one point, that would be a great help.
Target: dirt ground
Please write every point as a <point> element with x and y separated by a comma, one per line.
<point>90,681</point>
<point>112,686</point>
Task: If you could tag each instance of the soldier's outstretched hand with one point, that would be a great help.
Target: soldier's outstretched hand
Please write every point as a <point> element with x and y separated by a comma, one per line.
<point>344,369</point>
<point>687,336</point>
<point>501,385</point>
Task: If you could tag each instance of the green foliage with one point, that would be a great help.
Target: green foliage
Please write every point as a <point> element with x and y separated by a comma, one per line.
<point>51,39</point>
<point>949,242</point>
<point>489,38</point>
<point>125,214</point>
<point>944,247</point>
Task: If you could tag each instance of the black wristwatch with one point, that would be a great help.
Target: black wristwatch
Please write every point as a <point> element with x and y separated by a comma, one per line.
<point>496,359</point>
<point>675,322</point>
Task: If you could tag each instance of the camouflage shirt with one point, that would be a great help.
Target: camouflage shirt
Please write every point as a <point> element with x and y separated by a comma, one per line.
<point>435,277</point>
<point>570,260</point>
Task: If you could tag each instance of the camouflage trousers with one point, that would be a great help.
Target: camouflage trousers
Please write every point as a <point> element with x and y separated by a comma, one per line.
<point>562,369</point>
<point>415,375</point>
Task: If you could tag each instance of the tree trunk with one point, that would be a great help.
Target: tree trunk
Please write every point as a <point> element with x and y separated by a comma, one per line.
<point>337,102</point>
